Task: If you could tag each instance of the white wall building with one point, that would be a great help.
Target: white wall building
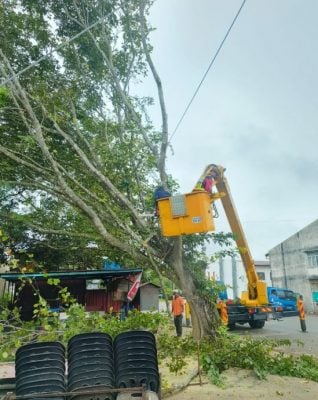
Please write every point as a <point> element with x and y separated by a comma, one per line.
<point>294,265</point>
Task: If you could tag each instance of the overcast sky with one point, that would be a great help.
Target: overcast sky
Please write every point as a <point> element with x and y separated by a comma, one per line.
<point>256,113</point>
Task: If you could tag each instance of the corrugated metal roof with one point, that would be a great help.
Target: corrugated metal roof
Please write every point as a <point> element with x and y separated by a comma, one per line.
<point>91,274</point>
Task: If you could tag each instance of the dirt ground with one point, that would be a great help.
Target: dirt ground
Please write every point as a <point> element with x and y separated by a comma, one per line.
<point>239,384</point>
<point>242,384</point>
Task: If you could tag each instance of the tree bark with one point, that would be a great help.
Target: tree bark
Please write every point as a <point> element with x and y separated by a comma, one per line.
<point>204,315</point>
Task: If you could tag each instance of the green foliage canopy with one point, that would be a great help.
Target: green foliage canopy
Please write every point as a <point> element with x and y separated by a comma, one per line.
<point>89,167</point>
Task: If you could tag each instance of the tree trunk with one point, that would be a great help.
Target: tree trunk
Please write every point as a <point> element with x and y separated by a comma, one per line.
<point>205,318</point>
<point>204,315</point>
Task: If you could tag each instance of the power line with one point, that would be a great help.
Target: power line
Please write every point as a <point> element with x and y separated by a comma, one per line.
<point>34,63</point>
<point>207,71</point>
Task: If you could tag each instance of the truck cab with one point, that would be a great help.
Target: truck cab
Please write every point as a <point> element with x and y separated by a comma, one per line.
<point>283,301</point>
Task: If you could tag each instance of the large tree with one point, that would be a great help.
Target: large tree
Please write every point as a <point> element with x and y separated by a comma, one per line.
<point>78,147</point>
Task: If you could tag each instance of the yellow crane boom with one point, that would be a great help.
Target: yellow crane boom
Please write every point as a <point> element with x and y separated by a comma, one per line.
<point>256,294</point>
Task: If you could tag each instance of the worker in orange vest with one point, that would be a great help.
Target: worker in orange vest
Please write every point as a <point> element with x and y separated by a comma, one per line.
<point>187,313</point>
<point>223,312</point>
<point>177,312</point>
<point>301,311</point>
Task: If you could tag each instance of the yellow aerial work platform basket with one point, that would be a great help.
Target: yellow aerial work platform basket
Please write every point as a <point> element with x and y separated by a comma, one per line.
<point>186,214</point>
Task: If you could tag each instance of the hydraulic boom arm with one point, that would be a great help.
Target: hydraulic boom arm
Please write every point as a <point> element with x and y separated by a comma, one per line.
<point>217,173</point>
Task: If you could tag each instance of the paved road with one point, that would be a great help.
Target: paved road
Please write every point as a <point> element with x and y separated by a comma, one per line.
<point>289,328</point>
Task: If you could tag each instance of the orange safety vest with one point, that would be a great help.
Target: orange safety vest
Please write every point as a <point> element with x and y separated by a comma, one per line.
<point>177,306</point>
<point>300,306</point>
<point>187,310</point>
<point>223,313</point>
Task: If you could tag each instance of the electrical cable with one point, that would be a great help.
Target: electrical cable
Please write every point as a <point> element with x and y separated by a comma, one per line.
<point>36,62</point>
<point>207,71</point>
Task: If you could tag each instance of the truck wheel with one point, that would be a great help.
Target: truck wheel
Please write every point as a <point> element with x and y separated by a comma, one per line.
<point>256,324</point>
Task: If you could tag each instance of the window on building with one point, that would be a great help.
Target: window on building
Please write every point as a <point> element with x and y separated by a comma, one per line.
<point>261,276</point>
<point>313,259</point>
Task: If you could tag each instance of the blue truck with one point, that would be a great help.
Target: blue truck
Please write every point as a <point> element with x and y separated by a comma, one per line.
<point>283,301</point>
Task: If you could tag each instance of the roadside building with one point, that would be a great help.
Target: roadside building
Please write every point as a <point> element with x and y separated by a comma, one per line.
<point>149,297</point>
<point>263,270</point>
<point>294,265</point>
<point>3,268</point>
<point>98,290</point>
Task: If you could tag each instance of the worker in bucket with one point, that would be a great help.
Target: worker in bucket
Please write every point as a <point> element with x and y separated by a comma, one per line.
<point>208,182</point>
<point>160,193</point>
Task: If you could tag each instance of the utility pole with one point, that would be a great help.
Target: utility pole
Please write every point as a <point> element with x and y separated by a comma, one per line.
<point>234,278</point>
<point>221,265</point>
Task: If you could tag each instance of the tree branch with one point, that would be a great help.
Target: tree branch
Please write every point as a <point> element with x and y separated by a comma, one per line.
<point>62,232</point>
<point>117,84</point>
<point>116,194</point>
<point>82,137</point>
<point>164,115</point>
<point>12,155</point>
<point>73,197</point>
<point>104,204</point>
